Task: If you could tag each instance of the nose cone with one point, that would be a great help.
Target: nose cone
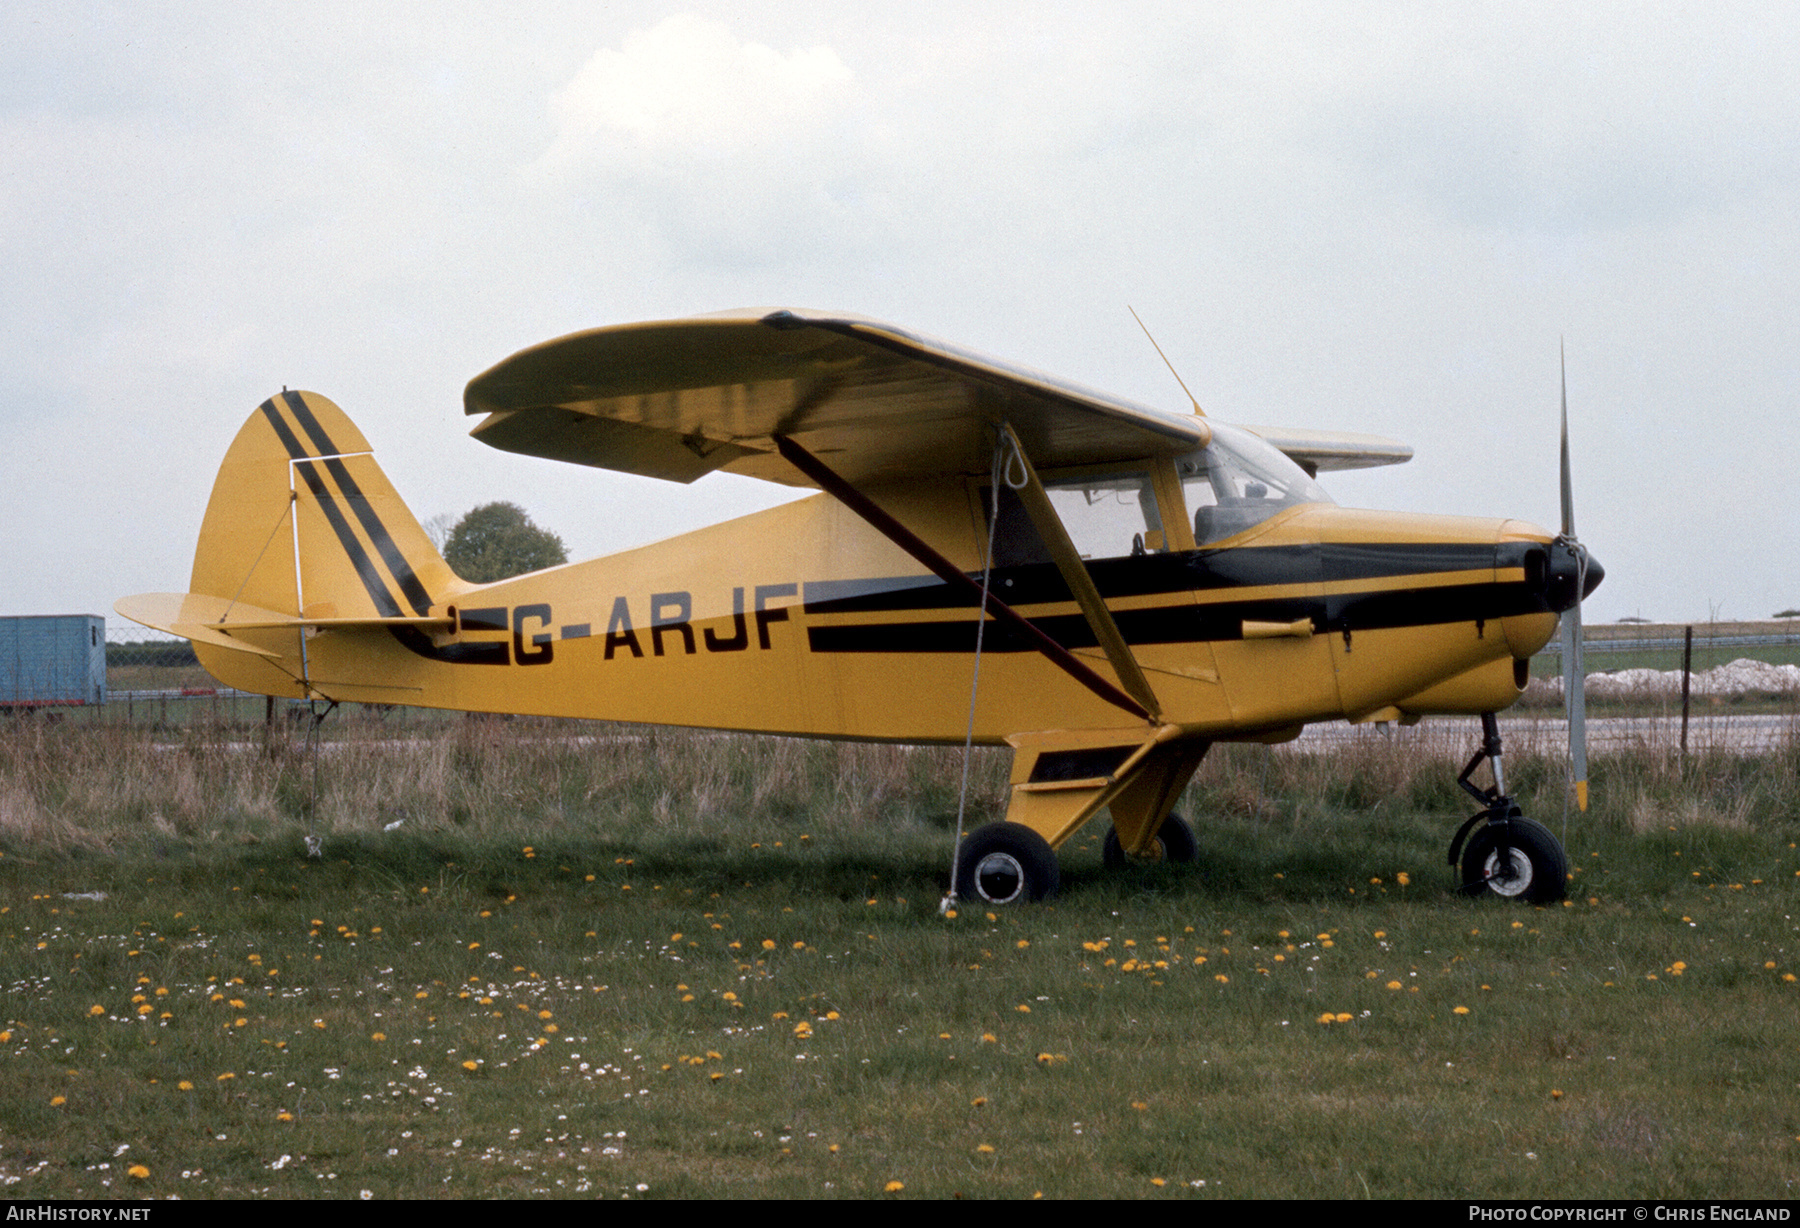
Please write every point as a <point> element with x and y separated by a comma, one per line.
<point>1573,574</point>
<point>1595,574</point>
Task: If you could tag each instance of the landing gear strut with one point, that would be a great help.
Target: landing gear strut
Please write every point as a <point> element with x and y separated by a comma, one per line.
<point>1502,852</point>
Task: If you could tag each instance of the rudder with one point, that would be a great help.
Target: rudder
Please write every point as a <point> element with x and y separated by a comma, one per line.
<point>303,522</point>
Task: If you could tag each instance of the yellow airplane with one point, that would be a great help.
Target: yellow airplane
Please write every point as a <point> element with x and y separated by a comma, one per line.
<point>1154,583</point>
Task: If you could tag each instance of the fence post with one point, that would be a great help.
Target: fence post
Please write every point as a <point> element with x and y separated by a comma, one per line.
<point>1687,673</point>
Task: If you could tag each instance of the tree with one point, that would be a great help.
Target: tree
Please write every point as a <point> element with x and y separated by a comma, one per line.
<point>498,540</point>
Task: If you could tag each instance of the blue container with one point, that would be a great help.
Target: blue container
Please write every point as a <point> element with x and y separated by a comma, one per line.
<point>52,659</point>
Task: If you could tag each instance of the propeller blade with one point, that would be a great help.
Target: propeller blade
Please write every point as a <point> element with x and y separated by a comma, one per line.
<point>1575,698</point>
<point>1574,670</point>
<point>1568,486</point>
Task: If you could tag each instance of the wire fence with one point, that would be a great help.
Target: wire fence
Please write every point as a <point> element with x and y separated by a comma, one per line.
<point>156,678</point>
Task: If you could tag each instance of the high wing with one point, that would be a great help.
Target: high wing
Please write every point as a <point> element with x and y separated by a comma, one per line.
<point>1327,451</point>
<point>679,399</point>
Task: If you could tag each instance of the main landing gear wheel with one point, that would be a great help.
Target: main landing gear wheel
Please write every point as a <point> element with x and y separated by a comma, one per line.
<point>1174,843</point>
<point>1006,863</point>
<point>1516,859</point>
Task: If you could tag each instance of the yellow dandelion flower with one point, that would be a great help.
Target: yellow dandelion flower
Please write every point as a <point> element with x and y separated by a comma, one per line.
<point>471,1065</point>
<point>987,1038</point>
<point>831,1015</point>
<point>1344,1017</point>
<point>768,944</point>
<point>728,996</point>
<point>986,1149</point>
<point>1403,878</point>
<point>1556,1093</point>
<point>378,1036</point>
<point>893,1187</point>
<point>1222,979</point>
<point>58,1101</point>
<point>1023,1009</point>
<point>184,1086</point>
<point>96,1009</point>
<point>1460,1010</point>
<point>319,1024</point>
<point>1393,984</point>
<point>284,1115</point>
<point>138,1171</point>
<point>1139,1105</point>
<point>1328,1017</point>
<point>979,1101</point>
<point>1158,1182</point>
<point>226,1077</point>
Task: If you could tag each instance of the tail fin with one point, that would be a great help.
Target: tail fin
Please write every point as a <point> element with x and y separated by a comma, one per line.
<point>303,530</point>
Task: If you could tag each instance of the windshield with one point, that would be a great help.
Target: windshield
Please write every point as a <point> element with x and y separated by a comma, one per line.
<point>1238,481</point>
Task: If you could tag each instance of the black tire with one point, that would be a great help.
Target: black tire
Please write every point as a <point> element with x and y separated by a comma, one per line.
<point>1006,863</point>
<point>1518,859</point>
<point>1174,843</point>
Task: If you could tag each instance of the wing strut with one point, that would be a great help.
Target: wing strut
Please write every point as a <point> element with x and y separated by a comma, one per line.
<point>1075,575</point>
<point>948,572</point>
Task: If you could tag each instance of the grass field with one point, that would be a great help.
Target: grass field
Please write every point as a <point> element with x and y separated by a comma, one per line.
<point>601,962</point>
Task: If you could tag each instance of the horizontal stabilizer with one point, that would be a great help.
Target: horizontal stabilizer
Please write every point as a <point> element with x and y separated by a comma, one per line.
<point>215,620</point>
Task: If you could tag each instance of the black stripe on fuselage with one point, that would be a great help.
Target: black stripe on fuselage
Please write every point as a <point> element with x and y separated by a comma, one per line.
<point>1204,622</point>
<point>1195,571</point>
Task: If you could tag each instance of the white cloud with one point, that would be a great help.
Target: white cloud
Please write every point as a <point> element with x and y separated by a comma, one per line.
<point>690,85</point>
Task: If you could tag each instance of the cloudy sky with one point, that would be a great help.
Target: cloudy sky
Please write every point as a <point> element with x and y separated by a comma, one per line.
<point>1367,217</point>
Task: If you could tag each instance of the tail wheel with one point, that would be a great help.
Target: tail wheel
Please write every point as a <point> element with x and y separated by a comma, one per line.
<point>1174,842</point>
<point>1516,859</point>
<point>1006,863</point>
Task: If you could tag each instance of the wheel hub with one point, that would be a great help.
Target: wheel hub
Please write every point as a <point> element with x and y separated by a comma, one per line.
<point>1508,872</point>
<point>999,878</point>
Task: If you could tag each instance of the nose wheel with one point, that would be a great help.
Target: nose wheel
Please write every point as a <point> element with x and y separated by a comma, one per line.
<point>1503,853</point>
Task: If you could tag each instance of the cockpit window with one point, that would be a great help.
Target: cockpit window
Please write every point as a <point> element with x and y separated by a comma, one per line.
<point>1107,515</point>
<point>1238,481</point>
